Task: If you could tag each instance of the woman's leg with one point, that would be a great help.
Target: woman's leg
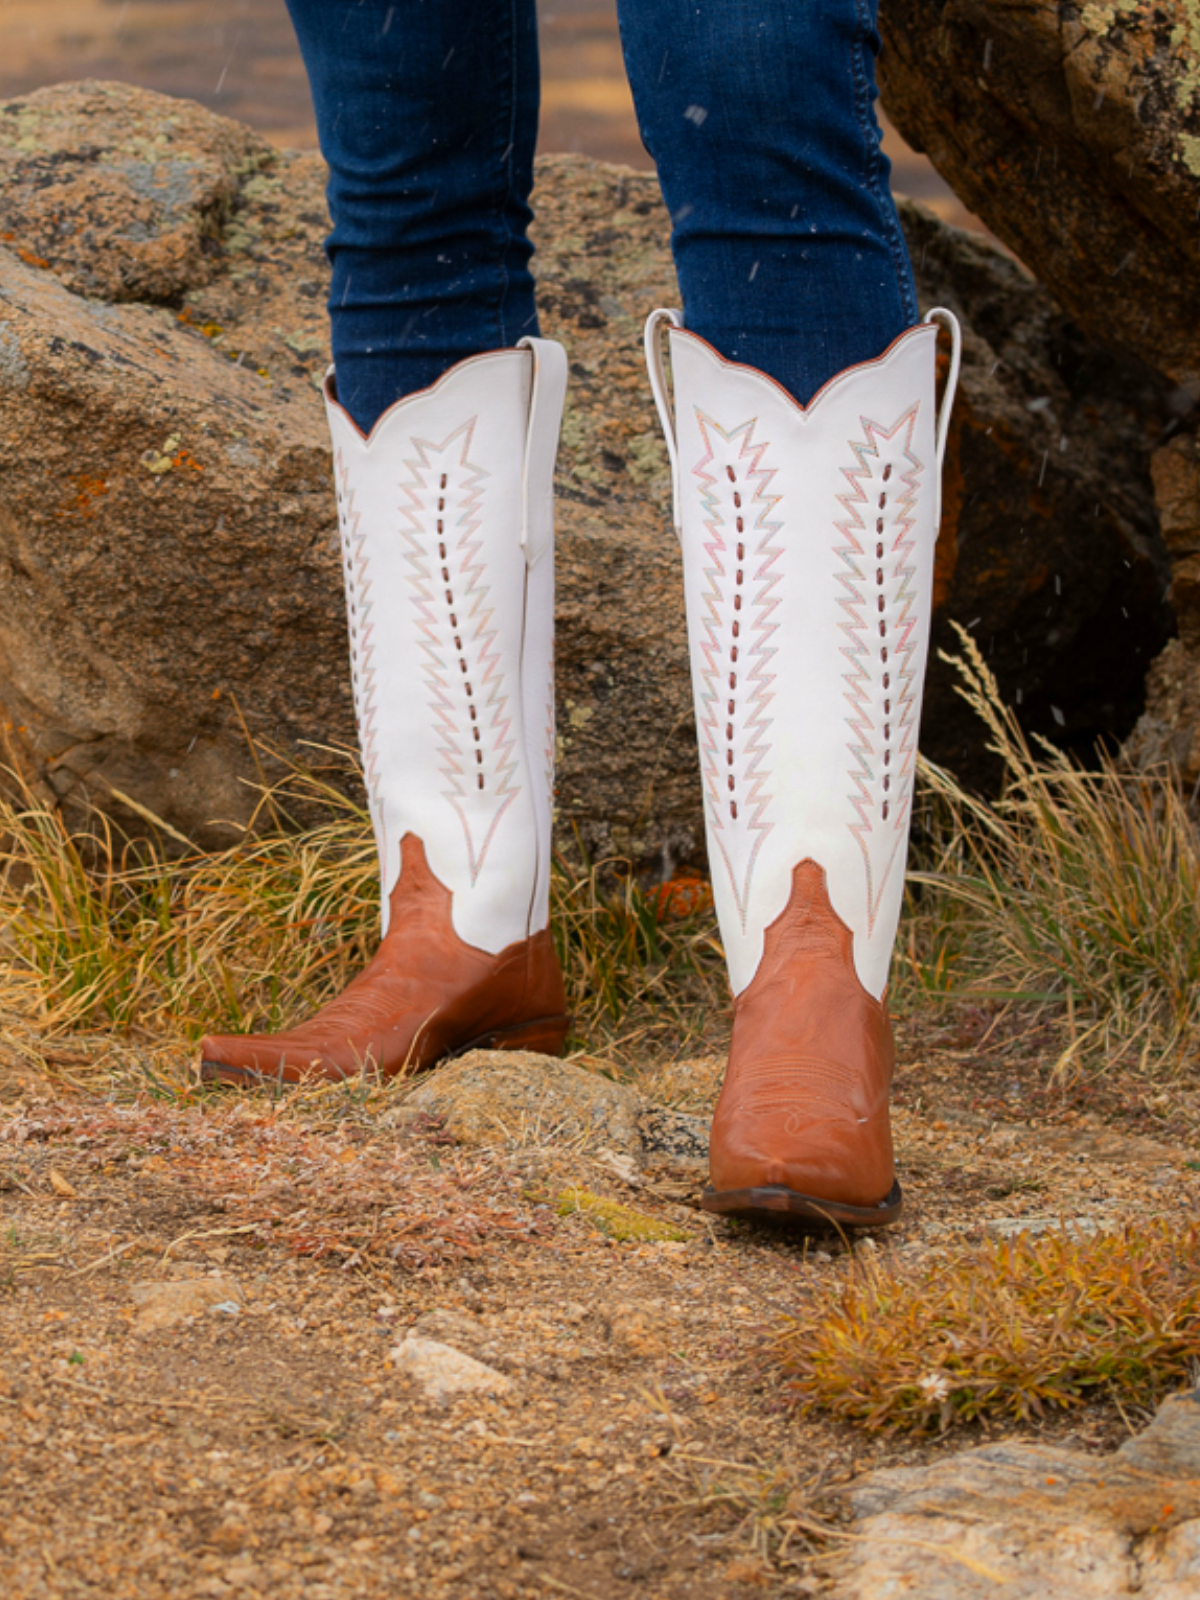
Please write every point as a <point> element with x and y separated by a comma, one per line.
<point>760,117</point>
<point>427,114</point>
<point>808,533</point>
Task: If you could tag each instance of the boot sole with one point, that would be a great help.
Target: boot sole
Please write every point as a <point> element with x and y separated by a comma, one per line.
<point>786,1208</point>
<point>545,1035</point>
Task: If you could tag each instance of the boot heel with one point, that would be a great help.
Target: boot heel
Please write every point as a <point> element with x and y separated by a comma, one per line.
<point>546,1036</point>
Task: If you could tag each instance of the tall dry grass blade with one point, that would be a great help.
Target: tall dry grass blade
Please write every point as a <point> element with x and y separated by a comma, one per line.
<point>1080,886</point>
<point>110,934</point>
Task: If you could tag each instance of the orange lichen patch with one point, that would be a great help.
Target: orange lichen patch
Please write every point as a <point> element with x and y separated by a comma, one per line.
<point>171,456</point>
<point>89,488</point>
<point>214,331</point>
<point>210,330</point>
<point>30,257</point>
<point>680,897</point>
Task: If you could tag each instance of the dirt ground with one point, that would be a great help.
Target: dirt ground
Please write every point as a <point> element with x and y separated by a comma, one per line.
<point>199,1300</point>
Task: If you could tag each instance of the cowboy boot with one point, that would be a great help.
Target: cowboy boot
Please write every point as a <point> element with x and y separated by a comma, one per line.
<point>808,537</point>
<point>447,525</point>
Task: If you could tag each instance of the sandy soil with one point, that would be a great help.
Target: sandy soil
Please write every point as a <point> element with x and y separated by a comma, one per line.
<point>198,1305</point>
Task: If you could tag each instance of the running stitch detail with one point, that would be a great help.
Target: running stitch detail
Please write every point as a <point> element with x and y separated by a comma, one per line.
<point>458,638</point>
<point>880,626</point>
<point>735,645</point>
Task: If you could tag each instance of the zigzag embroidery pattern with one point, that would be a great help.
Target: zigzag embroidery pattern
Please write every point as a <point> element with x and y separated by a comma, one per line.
<point>362,648</point>
<point>737,683</point>
<point>881,643</point>
<point>470,707</point>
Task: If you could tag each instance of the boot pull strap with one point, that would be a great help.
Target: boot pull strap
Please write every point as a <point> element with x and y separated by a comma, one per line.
<point>547,395</point>
<point>658,384</point>
<point>949,321</point>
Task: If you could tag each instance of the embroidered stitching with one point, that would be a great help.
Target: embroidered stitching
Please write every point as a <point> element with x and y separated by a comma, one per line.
<point>550,748</point>
<point>881,630</point>
<point>735,646</point>
<point>362,649</point>
<point>445,492</point>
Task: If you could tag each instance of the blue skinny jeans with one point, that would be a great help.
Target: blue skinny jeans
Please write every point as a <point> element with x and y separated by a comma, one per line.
<point>759,115</point>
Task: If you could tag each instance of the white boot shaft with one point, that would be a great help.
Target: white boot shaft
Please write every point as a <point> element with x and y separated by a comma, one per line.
<point>446,517</point>
<point>808,540</point>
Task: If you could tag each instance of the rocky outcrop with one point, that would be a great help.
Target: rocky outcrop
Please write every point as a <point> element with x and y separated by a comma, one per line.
<point>1072,128</point>
<point>518,1099</point>
<point>1049,550</point>
<point>1030,1520</point>
<point>168,550</point>
<point>490,1097</point>
<point>125,196</point>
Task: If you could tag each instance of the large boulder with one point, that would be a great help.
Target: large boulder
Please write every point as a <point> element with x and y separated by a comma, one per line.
<point>1073,130</point>
<point>168,546</point>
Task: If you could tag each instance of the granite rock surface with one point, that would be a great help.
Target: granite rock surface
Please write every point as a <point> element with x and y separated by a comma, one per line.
<point>1072,128</point>
<point>168,545</point>
<point>1029,1520</point>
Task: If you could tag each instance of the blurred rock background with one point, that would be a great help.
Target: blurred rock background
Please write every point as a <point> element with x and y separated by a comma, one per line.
<point>161,437</point>
<point>239,57</point>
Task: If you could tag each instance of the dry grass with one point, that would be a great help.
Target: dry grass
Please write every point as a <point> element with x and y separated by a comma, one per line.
<point>1076,893</point>
<point>111,937</point>
<point>1005,1329</point>
<point>1075,896</point>
<point>644,968</point>
<point>118,936</point>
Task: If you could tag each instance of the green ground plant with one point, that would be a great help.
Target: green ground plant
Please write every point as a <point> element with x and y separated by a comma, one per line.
<point>618,1221</point>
